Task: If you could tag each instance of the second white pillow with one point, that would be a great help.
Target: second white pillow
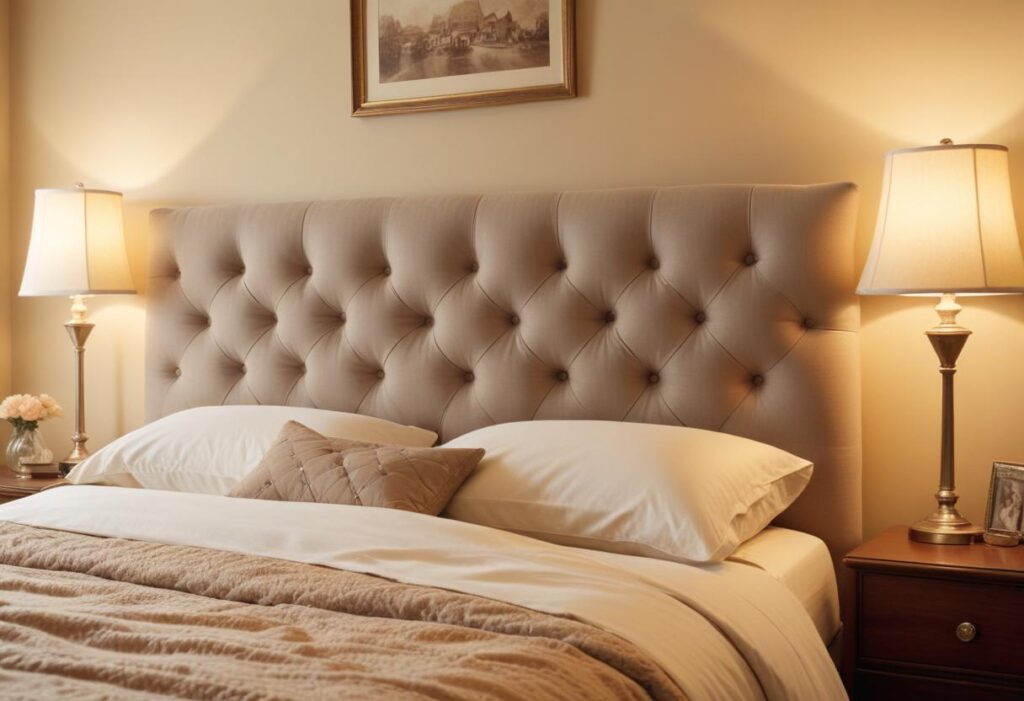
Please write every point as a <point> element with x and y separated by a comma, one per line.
<point>643,489</point>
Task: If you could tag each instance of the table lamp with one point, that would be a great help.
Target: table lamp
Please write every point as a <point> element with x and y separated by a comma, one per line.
<point>77,250</point>
<point>945,227</point>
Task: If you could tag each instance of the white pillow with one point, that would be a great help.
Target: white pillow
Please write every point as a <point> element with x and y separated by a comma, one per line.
<point>641,489</point>
<point>210,449</point>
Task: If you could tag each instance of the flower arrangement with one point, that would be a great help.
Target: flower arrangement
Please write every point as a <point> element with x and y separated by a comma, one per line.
<point>25,411</point>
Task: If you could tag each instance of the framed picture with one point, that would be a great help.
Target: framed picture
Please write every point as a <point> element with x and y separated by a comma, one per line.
<point>1005,510</point>
<point>419,55</point>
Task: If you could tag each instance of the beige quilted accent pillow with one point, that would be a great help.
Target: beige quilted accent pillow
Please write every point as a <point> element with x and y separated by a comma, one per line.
<point>303,465</point>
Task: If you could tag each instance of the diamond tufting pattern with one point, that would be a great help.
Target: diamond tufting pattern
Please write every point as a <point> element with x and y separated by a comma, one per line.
<point>303,465</point>
<point>458,312</point>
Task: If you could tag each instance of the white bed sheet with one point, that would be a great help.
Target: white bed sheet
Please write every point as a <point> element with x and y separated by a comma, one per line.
<point>804,565</point>
<point>724,631</point>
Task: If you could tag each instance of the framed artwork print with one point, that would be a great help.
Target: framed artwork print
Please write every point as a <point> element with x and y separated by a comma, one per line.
<point>1004,515</point>
<point>420,55</point>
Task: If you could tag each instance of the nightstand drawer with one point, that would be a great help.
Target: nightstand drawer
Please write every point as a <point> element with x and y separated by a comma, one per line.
<point>915,619</point>
<point>885,686</point>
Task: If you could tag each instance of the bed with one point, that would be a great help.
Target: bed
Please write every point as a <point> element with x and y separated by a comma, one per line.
<point>727,308</point>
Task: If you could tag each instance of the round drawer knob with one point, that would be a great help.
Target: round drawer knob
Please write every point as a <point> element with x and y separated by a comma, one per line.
<point>965,632</point>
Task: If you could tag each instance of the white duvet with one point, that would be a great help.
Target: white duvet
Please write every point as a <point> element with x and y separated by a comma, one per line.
<point>724,631</point>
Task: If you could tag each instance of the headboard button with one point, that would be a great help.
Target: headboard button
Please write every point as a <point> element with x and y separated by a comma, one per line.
<point>474,267</point>
<point>309,270</point>
<point>562,264</point>
<point>387,270</point>
<point>469,376</point>
<point>654,378</point>
<point>700,317</point>
<point>562,375</point>
<point>609,316</point>
<point>380,374</point>
<point>177,372</point>
<point>428,321</point>
<point>514,320</point>
<point>342,317</point>
<point>808,323</point>
<point>749,259</point>
<point>757,380</point>
<point>653,263</point>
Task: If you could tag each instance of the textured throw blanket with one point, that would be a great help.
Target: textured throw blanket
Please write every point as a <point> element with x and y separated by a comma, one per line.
<point>86,617</point>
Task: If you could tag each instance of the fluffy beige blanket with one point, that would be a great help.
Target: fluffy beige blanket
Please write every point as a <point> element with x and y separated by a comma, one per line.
<point>86,617</point>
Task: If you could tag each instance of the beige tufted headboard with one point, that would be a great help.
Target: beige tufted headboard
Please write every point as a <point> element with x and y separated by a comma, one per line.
<point>720,307</point>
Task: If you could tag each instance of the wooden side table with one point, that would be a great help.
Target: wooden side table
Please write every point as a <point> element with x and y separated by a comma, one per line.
<point>13,487</point>
<point>934,621</point>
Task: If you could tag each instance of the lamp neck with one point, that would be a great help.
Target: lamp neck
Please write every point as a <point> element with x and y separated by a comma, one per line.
<point>948,338</point>
<point>947,309</point>
<point>78,310</point>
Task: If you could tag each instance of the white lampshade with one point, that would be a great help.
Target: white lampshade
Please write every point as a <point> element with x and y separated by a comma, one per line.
<point>946,224</point>
<point>77,245</point>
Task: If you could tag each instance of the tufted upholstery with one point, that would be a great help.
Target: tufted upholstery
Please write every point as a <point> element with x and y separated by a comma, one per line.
<point>303,465</point>
<point>720,307</point>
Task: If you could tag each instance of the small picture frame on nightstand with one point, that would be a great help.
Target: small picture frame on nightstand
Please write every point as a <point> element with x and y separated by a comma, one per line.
<point>1004,515</point>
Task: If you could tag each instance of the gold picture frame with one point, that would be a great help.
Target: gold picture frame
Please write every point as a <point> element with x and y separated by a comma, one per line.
<point>1004,511</point>
<point>448,65</point>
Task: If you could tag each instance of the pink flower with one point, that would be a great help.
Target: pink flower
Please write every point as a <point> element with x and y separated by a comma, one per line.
<point>50,406</point>
<point>27,408</point>
<point>31,409</point>
<point>9,406</point>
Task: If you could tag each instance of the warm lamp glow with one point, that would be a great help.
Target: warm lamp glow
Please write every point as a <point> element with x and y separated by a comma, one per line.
<point>77,245</point>
<point>77,249</point>
<point>945,227</point>
<point>945,224</point>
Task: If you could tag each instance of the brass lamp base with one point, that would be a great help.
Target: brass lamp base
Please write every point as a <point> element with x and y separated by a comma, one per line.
<point>78,454</point>
<point>945,527</point>
<point>78,330</point>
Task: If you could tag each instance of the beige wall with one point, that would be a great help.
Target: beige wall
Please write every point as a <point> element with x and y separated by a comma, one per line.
<point>5,199</point>
<point>192,101</point>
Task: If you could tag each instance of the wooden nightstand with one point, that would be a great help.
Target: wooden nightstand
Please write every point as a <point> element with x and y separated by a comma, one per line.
<point>934,621</point>
<point>12,487</point>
